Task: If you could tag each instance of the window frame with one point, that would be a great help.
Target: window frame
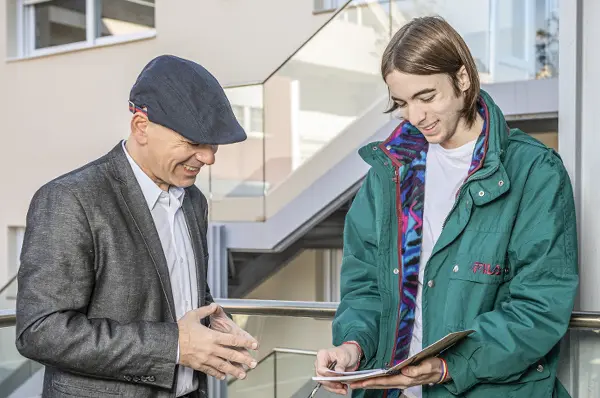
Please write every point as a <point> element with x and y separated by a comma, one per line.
<point>26,30</point>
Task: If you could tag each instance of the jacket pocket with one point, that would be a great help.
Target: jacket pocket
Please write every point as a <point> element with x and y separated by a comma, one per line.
<point>66,390</point>
<point>534,383</point>
<point>474,285</point>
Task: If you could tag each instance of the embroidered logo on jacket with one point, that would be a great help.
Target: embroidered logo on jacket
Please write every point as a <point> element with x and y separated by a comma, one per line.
<point>486,269</point>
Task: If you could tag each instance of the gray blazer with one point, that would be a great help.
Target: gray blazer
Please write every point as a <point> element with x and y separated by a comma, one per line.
<point>94,303</point>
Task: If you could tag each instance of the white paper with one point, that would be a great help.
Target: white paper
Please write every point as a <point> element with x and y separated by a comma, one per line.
<point>433,350</point>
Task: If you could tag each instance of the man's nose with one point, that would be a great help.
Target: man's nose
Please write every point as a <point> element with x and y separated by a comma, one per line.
<point>415,114</point>
<point>206,156</point>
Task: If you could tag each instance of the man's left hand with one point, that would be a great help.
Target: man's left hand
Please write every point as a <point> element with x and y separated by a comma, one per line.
<point>220,322</point>
<point>427,372</point>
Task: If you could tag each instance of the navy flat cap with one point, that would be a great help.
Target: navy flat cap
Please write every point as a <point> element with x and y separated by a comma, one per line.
<point>185,97</point>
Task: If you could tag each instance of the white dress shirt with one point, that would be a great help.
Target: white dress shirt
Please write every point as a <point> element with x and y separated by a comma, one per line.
<point>176,243</point>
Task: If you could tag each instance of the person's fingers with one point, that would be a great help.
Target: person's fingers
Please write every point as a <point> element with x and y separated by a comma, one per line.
<point>341,366</point>
<point>234,355</point>
<point>238,331</point>
<point>211,372</point>
<point>324,359</point>
<point>203,312</point>
<point>225,367</point>
<point>232,340</point>
<point>336,388</point>
<point>396,381</point>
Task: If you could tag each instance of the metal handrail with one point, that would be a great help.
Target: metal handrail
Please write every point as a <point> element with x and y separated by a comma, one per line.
<point>311,309</point>
<point>299,309</point>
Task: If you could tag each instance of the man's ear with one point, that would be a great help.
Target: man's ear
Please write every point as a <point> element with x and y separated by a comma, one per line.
<point>139,127</point>
<point>464,81</point>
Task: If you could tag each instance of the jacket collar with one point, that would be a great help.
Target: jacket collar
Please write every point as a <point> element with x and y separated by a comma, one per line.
<point>406,144</point>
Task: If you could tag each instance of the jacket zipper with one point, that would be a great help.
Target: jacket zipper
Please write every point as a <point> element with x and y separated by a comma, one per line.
<point>396,180</point>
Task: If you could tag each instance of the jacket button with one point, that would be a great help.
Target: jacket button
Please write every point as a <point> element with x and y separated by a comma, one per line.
<point>500,183</point>
<point>388,147</point>
<point>540,368</point>
<point>481,193</point>
<point>506,270</point>
<point>396,271</point>
<point>455,269</point>
<point>127,378</point>
<point>151,378</point>
<point>430,284</point>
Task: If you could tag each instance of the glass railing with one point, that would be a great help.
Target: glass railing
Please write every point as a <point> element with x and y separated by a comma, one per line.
<point>282,373</point>
<point>8,293</point>
<point>304,110</point>
<point>579,368</point>
<point>312,98</point>
<point>15,370</point>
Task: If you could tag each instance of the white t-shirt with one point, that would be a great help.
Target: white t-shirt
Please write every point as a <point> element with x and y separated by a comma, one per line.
<point>446,170</point>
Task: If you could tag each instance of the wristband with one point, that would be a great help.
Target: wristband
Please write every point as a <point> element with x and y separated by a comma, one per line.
<point>444,371</point>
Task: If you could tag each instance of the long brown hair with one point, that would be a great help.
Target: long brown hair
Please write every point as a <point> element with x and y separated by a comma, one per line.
<point>427,46</point>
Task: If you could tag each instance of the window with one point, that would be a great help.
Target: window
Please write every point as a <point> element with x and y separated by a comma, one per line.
<point>256,120</point>
<point>46,26</point>
<point>327,5</point>
<point>238,111</point>
<point>250,118</point>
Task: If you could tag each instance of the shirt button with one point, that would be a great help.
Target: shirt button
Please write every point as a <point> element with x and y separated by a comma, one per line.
<point>500,183</point>
<point>455,269</point>
<point>396,271</point>
<point>388,147</point>
<point>540,368</point>
<point>430,284</point>
<point>151,378</point>
<point>481,193</point>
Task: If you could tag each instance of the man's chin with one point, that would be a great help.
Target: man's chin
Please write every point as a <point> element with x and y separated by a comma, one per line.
<point>434,139</point>
<point>184,182</point>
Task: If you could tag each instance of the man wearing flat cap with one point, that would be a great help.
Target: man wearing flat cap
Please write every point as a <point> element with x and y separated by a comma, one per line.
<point>113,298</point>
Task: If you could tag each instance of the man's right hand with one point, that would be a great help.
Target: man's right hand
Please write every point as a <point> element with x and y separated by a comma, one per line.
<point>214,353</point>
<point>347,357</point>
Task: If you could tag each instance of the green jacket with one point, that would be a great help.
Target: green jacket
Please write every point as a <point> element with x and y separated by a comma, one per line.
<point>505,265</point>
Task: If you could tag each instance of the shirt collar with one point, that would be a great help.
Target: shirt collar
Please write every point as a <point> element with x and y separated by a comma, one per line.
<point>150,190</point>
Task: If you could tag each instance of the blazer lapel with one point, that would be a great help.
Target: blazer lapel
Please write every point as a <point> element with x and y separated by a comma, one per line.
<point>142,219</point>
<point>196,237</point>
